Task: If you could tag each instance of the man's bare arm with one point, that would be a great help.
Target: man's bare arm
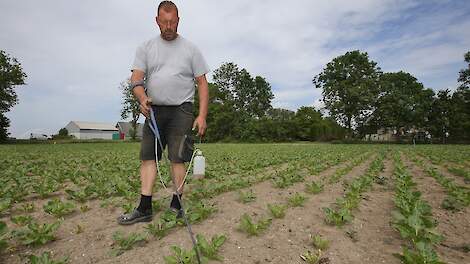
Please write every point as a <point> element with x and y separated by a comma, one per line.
<point>203,91</point>
<point>139,92</point>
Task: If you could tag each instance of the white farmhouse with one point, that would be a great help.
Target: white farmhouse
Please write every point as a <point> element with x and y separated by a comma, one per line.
<point>91,130</point>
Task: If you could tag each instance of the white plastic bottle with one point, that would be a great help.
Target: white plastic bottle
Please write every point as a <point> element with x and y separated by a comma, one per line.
<point>199,166</point>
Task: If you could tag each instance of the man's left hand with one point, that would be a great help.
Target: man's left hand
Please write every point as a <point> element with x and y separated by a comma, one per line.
<point>201,125</point>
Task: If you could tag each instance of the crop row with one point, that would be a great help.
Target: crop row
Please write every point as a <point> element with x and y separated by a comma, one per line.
<point>413,220</point>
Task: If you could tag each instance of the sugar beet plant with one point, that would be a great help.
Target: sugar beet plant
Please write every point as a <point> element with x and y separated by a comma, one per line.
<point>196,211</point>
<point>248,226</point>
<point>58,208</point>
<point>208,249</point>
<point>413,219</point>
<point>313,187</point>
<point>343,210</point>
<point>246,197</point>
<point>319,242</point>
<point>339,173</point>
<point>3,236</point>
<point>287,177</point>
<point>36,233</point>
<point>277,210</point>
<point>296,200</point>
<point>45,258</point>
<point>458,196</point>
<point>123,242</point>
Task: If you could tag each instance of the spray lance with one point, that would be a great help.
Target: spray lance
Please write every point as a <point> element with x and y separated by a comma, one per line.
<point>199,167</point>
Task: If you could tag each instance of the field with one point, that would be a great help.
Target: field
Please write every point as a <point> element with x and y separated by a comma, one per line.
<point>259,203</point>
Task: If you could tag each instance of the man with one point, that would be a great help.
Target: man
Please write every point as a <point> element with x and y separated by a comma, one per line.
<point>170,65</point>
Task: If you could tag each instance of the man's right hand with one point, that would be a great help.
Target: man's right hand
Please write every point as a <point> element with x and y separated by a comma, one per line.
<point>145,105</point>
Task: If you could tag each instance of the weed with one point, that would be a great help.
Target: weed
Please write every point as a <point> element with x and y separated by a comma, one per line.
<point>78,229</point>
<point>352,234</point>
<point>84,208</point>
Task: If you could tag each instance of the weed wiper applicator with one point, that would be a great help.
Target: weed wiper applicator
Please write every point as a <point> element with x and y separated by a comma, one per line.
<point>153,126</point>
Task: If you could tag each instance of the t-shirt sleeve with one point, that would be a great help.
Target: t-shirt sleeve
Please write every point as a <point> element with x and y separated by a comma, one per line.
<point>140,60</point>
<point>198,63</point>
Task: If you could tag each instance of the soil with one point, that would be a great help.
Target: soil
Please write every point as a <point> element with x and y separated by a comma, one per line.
<point>369,238</point>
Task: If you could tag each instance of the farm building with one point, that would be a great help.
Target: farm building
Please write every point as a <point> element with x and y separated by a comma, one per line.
<point>91,130</point>
<point>125,130</point>
<point>383,134</point>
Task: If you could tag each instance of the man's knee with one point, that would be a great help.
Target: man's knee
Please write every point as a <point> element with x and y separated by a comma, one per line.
<point>148,163</point>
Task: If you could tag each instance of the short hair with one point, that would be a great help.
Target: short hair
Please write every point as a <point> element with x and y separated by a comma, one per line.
<point>167,6</point>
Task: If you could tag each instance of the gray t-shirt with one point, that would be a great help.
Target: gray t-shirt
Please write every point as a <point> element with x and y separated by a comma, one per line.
<point>170,68</point>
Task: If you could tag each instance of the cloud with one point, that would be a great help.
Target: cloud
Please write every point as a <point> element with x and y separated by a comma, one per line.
<point>76,54</point>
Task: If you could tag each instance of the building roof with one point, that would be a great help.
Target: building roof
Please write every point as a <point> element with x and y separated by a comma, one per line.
<point>95,125</point>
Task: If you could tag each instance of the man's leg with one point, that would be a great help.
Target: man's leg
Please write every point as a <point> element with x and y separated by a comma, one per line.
<point>179,145</point>
<point>148,170</point>
<point>147,178</point>
<point>179,170</point>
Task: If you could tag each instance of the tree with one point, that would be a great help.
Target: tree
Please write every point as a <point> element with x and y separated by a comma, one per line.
<point>460,117</point>
<point>441,111</point>
<point>309,123</point>
<point>350,87</point>
<point>403,102</point>
<point>249,96</point>
<point>63,134</point>
<point>239,98</point>
<point>11,74</point>
<point>130,106</point>
<point>464,74</point>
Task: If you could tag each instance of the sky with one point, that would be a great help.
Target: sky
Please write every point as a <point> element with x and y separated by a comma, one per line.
<point>76,53</point>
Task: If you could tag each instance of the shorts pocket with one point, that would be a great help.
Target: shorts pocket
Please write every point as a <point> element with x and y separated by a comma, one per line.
<point>186,148</point>
<point>186,108</point>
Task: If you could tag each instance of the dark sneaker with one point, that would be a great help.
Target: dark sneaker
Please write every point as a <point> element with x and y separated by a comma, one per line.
<point>175,203</point>
<point>179,214</point>
<point>134,217</point>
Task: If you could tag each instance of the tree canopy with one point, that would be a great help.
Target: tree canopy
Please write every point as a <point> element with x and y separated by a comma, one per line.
<point>11,75</point>
<point>350,87</point>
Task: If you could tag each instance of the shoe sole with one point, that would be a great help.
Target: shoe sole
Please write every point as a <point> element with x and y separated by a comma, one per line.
<point>147,218</point>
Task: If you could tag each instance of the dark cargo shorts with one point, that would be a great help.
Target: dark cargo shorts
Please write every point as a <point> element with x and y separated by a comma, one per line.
<point>174,125</point>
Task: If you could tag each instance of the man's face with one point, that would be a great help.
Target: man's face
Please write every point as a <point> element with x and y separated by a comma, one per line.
<point>167,21</point>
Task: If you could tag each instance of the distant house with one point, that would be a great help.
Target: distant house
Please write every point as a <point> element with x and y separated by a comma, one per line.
<point>125,128</point>
<point>91,130</point>
<point>383,134</point>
